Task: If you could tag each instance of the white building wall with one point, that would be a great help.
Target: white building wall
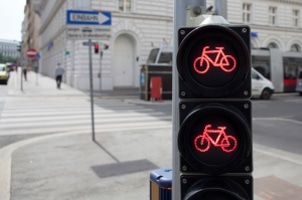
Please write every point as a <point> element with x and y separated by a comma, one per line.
<point>150,23</point>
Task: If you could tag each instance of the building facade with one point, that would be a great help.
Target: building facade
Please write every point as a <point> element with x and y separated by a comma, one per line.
<point>9,48</point>
<point>138,25</point>
<point>30,34</point>
<point>274,23</point>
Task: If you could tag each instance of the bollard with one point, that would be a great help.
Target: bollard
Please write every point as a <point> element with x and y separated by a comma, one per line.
<point>161,184</point>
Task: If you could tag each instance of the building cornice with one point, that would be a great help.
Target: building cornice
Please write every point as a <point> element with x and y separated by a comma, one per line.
<point>295,2</point>
<point>273,28</point>
<point>142,16</point>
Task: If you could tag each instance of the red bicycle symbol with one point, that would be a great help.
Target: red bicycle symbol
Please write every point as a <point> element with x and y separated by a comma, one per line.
<point>202,64</point>
<point>216,137</point>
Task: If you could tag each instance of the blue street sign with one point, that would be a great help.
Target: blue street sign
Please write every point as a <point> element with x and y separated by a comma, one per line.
<point>38,56</point>
<point>81,17</point>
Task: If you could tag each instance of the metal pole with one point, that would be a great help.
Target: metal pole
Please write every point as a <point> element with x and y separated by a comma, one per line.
<point>221,8</point>
<point>180,13</point>
<point>100,72</point>
<point>21,81</point>
<point>91,90</point>
<point>37,72</point>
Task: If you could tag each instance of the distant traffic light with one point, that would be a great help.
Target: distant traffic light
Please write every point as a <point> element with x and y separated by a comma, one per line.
<point>96,48</point>
<point>214,136</point>
<point>19,48</point>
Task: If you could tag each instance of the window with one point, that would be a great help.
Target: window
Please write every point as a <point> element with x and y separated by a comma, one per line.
<point>124,5</point>
<point>296,18</point>
<point>152,56</point>
<point>165,57</point>
<point>82,4</point>
<point>246,12</point>
<point>272,45</point>
<point>295,48</point>
<point>272,14</point>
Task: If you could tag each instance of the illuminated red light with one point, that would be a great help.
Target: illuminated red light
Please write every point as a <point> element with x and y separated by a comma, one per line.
<point>202,63</point>
<point>96,46</point>
<point>217,137</point>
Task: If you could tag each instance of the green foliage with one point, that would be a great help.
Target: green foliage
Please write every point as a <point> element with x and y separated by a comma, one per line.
<point>5,59</point>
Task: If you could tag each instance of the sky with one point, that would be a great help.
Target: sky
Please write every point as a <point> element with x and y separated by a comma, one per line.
<point>11,18</point>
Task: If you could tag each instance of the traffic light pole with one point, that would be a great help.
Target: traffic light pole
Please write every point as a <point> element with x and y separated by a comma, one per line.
<point>180,13</point>
<point>91,89</point>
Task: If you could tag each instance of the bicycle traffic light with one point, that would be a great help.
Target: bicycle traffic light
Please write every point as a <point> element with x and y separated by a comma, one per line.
<point>214,136</point>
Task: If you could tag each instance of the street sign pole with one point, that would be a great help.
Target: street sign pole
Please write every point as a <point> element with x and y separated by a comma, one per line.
<point>21,76</point>
<point>180,13</point>
<point>179,20</point>
<point>91,90</point>
<point>83,24</point>
<point>100,72</point>
<point>37,67</point>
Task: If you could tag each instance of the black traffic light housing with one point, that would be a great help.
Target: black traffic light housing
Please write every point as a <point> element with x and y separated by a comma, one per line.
<point>19,48</point>
<point>224,128</point>
<point>214,137</point>
<point>207,58</point>
<point>96,47</point>
<point>216,187</point>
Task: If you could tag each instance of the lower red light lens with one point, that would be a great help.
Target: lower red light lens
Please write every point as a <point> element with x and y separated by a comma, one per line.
<point>215,138</point>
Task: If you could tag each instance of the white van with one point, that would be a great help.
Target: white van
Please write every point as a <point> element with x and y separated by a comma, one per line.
<point>261,86</point>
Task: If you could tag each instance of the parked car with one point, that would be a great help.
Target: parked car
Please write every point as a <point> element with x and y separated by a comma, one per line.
<point>299,83</point>
<point>261,86</point>
<point>4,73</point>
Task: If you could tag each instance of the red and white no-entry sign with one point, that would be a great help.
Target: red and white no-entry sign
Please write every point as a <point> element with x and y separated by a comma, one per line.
<point>31,53</point>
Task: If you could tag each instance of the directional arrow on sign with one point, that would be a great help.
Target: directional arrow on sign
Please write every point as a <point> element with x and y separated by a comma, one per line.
<point>105,18</point>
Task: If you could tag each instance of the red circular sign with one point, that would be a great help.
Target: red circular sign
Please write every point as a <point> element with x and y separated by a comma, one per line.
<point>31,53</point>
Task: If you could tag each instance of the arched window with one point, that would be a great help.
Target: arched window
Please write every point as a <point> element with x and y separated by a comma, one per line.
<point>295,48</point>
<point>273,45</point>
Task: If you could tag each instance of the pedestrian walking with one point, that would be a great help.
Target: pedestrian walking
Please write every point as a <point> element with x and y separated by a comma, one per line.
<point>25,73</point>
<point>58,75</point>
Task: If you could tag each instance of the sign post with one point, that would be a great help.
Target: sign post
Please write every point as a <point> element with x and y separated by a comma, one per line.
<point>37,67</point>
<point>89,44</point>
<point>91,90</point>
<point>82,24</point>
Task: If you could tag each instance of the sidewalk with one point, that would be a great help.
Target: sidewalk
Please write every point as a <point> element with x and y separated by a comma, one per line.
<point>117,165</point>
<point>39,85</point>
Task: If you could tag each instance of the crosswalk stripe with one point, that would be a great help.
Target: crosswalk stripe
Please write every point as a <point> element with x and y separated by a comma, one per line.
<point>43,117</point>
<point>74,111</point>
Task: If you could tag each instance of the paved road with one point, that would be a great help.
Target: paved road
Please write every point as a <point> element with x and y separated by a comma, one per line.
<point>59,160</point>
